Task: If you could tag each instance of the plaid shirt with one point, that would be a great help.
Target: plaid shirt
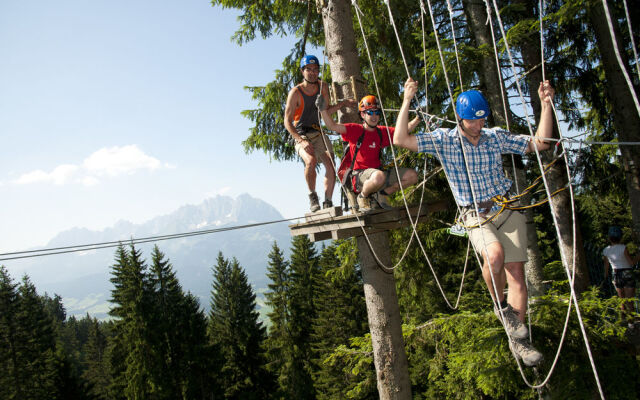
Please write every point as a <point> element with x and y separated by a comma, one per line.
<point>485,161</point>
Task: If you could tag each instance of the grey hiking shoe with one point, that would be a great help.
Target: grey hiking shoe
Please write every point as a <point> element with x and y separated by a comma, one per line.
<point>314,202</point>
<point>513,325</point>
<point>382,201</point>
<point>327,204</point>
<point>526,352</point>
<point>364,203</point>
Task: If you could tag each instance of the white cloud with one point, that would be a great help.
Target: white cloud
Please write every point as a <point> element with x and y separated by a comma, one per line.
<point>110,162</point>
<point>90,181</point>
<point>63,174</point>
<point>115,161</point>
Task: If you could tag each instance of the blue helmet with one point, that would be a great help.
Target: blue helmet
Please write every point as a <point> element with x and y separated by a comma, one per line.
<point>309,59</point>
<point>615,232</point>
<point>472,105</point>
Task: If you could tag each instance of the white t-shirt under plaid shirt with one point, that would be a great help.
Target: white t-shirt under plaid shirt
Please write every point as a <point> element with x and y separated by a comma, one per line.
<point>484,160</point>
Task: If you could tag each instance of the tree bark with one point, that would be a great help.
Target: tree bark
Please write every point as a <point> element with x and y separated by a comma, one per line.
<point>556,175</point>
<point>390,359</point>
<point>625,114</point>
<point>340,45</point>
<point>476,16</point>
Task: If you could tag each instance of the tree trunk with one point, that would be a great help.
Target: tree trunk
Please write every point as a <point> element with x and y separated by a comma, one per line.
<point>625,115</point>
<point>476,16</point>
<point>556,175</point>
<point>340,45</point>
<point>383,311</point>
<point>390,359</point>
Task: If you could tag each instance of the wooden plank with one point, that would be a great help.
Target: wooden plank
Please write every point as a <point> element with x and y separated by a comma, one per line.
<point>323,214</point>
<point>302,229</point>
<point>317,237</point>
<point>330,223</point>
<point>354,232</point>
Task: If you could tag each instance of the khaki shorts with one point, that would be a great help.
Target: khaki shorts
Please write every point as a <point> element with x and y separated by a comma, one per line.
<point>319,148</point>
<point>391,177</point>
<point>509,228</point>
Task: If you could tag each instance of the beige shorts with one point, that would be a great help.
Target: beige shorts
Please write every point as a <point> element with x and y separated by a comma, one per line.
<point>319,148</point>
<point>509,228</point>
<point>391,177</point>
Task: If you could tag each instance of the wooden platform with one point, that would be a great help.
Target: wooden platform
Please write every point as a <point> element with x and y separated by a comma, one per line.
<point>330,223</point>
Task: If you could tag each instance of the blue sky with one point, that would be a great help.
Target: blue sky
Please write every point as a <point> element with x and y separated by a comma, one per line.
<point>113,110</point>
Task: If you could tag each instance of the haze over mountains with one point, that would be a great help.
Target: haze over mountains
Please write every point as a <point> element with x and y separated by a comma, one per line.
<point>82,279</point>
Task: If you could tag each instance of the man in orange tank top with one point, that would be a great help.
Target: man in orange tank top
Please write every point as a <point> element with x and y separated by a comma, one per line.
<point>303,124</point>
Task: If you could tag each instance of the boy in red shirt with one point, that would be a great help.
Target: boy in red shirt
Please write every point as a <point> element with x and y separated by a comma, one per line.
<point>367,177</point>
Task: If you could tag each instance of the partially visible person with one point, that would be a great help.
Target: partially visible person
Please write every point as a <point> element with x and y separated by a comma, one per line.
<point>369,180</point>
<point>302,122</point>
<point>617,256</point>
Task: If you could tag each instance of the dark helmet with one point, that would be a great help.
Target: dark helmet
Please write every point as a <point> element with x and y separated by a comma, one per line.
<point>309,59</point>
<point>472,105</point>
<point>615,232</point>
<point>368,103</point>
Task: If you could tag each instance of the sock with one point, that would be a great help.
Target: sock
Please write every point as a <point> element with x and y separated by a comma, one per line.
<point>504,304</point>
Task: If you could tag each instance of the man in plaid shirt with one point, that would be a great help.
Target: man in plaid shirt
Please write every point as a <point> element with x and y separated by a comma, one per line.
<point>474,169</point>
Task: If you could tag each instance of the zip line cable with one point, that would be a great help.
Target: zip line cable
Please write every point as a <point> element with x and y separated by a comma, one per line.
<point>115,243</point>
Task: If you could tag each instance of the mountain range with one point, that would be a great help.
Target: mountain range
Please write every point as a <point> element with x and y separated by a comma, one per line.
<point>82,279</point>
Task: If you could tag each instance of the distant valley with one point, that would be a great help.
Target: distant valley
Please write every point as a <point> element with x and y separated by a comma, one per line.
<point>82,279</point>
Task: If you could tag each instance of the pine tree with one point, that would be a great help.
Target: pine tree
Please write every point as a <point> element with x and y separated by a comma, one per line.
<point>38,345</point>
<point>302,306</point>
<point>11,382</point>
<point>132,350</point>
<point>201,362</point>
<point>341,315</point>
<point>179,336</point>
<point>167,298</point>
<point>95,372</point>
<point>32,357</point>
<point>278,342</point>
<point>235,328</point>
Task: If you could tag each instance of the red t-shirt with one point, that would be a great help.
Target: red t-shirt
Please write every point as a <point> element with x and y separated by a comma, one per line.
<point>369,153</point>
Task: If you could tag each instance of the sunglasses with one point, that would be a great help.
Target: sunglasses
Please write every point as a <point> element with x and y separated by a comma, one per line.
<point>373,112</point>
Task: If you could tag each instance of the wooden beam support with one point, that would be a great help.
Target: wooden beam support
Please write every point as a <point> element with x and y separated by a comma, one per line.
<point>383,313</point>
<point>340,226</point>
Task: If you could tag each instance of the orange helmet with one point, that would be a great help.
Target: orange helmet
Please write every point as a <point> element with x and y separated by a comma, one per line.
<point>368,103</point>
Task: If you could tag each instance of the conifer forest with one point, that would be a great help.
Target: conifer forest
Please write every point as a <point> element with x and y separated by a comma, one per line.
<point>315,342</point>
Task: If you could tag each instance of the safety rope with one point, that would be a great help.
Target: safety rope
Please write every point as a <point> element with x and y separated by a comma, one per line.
<point>475,203</point>
<point>565,264</point>
<point>502,92</point>
<point>455,44</point>
<point>412,223</point>
<point>623,67</point>
<point>633,42</point>
<point>380,263</point>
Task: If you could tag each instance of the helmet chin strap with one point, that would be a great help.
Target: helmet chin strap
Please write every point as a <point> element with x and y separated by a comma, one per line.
<point>311,83</point>
<point>370,126</point>
<point>466,131</point>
